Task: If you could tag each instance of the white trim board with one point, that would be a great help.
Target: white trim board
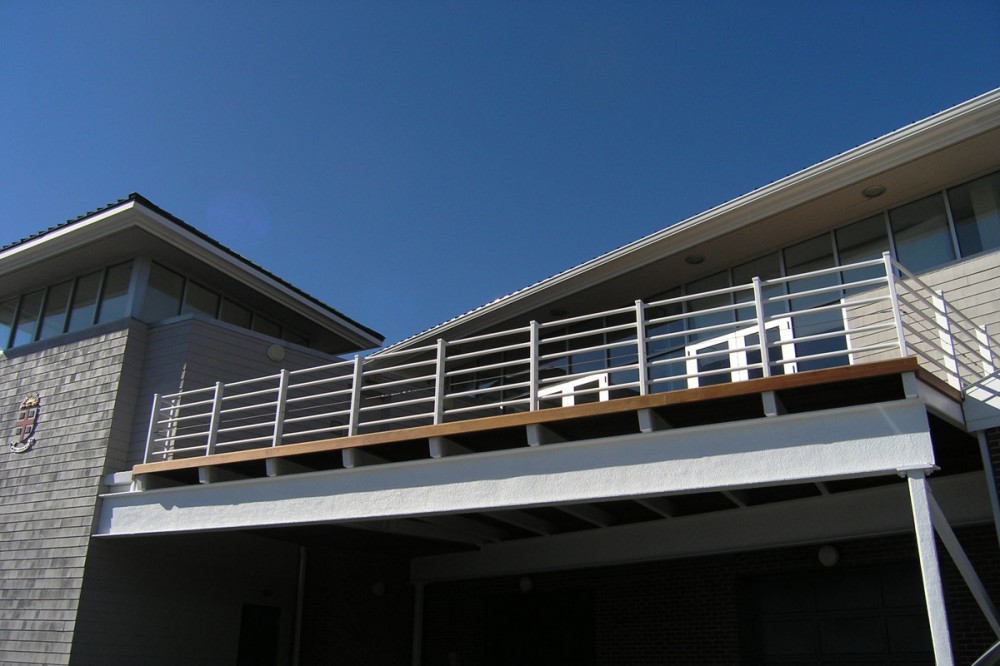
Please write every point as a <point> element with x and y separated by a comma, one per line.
<point>840,443</point>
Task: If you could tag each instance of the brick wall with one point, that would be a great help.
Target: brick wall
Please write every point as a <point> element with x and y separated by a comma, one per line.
<point>688,611</point>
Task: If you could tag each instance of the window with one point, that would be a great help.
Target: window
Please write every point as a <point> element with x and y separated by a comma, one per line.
<point>975,207</point>
<point>813,255</point>
<point>27,318</point>
<point>56,309</point>
<point>84,309</point>
<point>920,229</point>
<point>862,241</point>
<point>114,296</point>
<point>163,294</point>
<point>231,313</point>
<point>266,326</point>
<point>8,309</point>
<point>199,299</point>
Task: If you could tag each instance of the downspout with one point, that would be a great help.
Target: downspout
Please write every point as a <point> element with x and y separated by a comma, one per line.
<point>418,624</point>
<point>299,602</point>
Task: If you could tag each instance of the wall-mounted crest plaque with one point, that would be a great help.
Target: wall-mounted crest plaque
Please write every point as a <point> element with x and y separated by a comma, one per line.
<point>25,424</point>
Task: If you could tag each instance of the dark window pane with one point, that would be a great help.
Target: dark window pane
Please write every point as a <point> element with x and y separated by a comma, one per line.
<point>294,338</point>
<point>710,283</point>
<point>199,299</point>
<point>765,268</point>
<point>114,299</point>
<point>56,309</point>
<point>920,231</point>
<point>266,326</point>
<point>163,294</point>
<point>81,314</point>
<point>27,317</point>
<point>231,313</point>
<point>8,309</point>
<point>862,241</point>
<point>975,207</point>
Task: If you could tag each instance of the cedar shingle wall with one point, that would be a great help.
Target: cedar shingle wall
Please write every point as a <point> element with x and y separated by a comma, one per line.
<point>48,494</point>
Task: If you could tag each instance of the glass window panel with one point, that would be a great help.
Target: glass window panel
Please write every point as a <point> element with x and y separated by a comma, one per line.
<point>862,241</point>
<point>710,283</point>
<point>8,309</point>
<point>231,313</point>
<point>266,326</point>
<point>812,255</point>
<point>853,635</point>
<point>27,317</point>
<point>56,309</point>
<point>294,338</point>
<point>920,231</point>
<point>765,268</point>
<point>163,294</point>
<point>84,309</point>
<point>114,296</point>
<point>199,299</point>
<point>975,208</point>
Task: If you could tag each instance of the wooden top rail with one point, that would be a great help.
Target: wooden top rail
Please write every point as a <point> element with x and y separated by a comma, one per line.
<point>558,414</point>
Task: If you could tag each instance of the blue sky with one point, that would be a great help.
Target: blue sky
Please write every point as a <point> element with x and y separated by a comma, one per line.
<point>408,161</point>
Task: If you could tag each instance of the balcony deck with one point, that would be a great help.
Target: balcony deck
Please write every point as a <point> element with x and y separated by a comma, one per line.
<point>739,353</point>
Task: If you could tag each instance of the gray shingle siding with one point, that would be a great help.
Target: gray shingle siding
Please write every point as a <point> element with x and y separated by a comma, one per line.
<point>48,495</point>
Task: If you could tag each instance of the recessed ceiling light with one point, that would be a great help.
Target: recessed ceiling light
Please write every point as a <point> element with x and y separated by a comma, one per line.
<point>873,191</point>
<point>694,259</point>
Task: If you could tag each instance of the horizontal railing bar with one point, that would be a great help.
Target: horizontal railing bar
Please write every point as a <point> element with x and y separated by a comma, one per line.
<point>819,272</point>
<point>487,352</point>
<point>313,417</point>
<point>400,403</point>
<point>397,368</point>
<point>317,396</point>
<point>255,380</point>
<point>558,323</point>
<point>320,368</point>
<point>247,426</point>
<point>248,440</point>
<point>492,405</point>
<point>396,419</point>
<point>317,382</point>
<point>302,433</point>
<point>489,389</point>
<point>407,381</point>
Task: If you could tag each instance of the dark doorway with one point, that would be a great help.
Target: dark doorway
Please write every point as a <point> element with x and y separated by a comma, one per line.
<point>540,628</point>
<point>260,629</point>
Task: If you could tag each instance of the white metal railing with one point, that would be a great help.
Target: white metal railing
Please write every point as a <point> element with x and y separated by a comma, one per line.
<point>867,311</point>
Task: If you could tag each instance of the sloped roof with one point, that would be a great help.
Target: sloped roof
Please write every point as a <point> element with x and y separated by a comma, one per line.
<point>137,198</point>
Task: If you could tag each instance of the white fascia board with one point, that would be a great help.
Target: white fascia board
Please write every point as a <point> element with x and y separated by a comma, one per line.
<point>919,139</point>
<point>162,228</point>
<point>840,443</point>
<point>75,233</point>
<point>828,518</point>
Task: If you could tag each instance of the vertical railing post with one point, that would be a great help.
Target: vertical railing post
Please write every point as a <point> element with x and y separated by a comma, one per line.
<point>946,340</point>
<point>533,367</point>
<point>151,433</point>
<point>213,423</point>
<point>640,347</point>
<point>439,378</point>
<point>985,352</point>
<point>890,279</point>
<point>353,423</point>
<point>279,411</point>
<point>758,302</point>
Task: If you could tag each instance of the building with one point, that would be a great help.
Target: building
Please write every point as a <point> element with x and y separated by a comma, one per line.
<point>605,467</point>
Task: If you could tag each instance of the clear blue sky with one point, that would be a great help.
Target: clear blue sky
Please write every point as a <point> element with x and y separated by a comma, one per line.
<point>408,161</point>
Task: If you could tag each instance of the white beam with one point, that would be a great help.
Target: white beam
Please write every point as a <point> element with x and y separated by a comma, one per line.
<point>588,513</point>
<point>660,505</point>
<point>524,520</point>
<point>850,442</point>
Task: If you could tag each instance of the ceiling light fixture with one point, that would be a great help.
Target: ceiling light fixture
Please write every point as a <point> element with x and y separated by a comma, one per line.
<point>873,191</point>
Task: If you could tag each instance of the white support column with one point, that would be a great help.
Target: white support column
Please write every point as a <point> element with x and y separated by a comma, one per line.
<point>533,373</point>
<point>897,317</point>
<point>440,447</point>
<point>929,566</point>
<point>439,378</point>
<point>213,424</point>
<point>640,347</point>
<point>279,411</point>
<point>758,299</point>
<point>151,433</point>
<point>354,422</point>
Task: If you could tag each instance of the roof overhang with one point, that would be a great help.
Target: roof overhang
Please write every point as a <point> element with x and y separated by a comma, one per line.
<point>135,225</point>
